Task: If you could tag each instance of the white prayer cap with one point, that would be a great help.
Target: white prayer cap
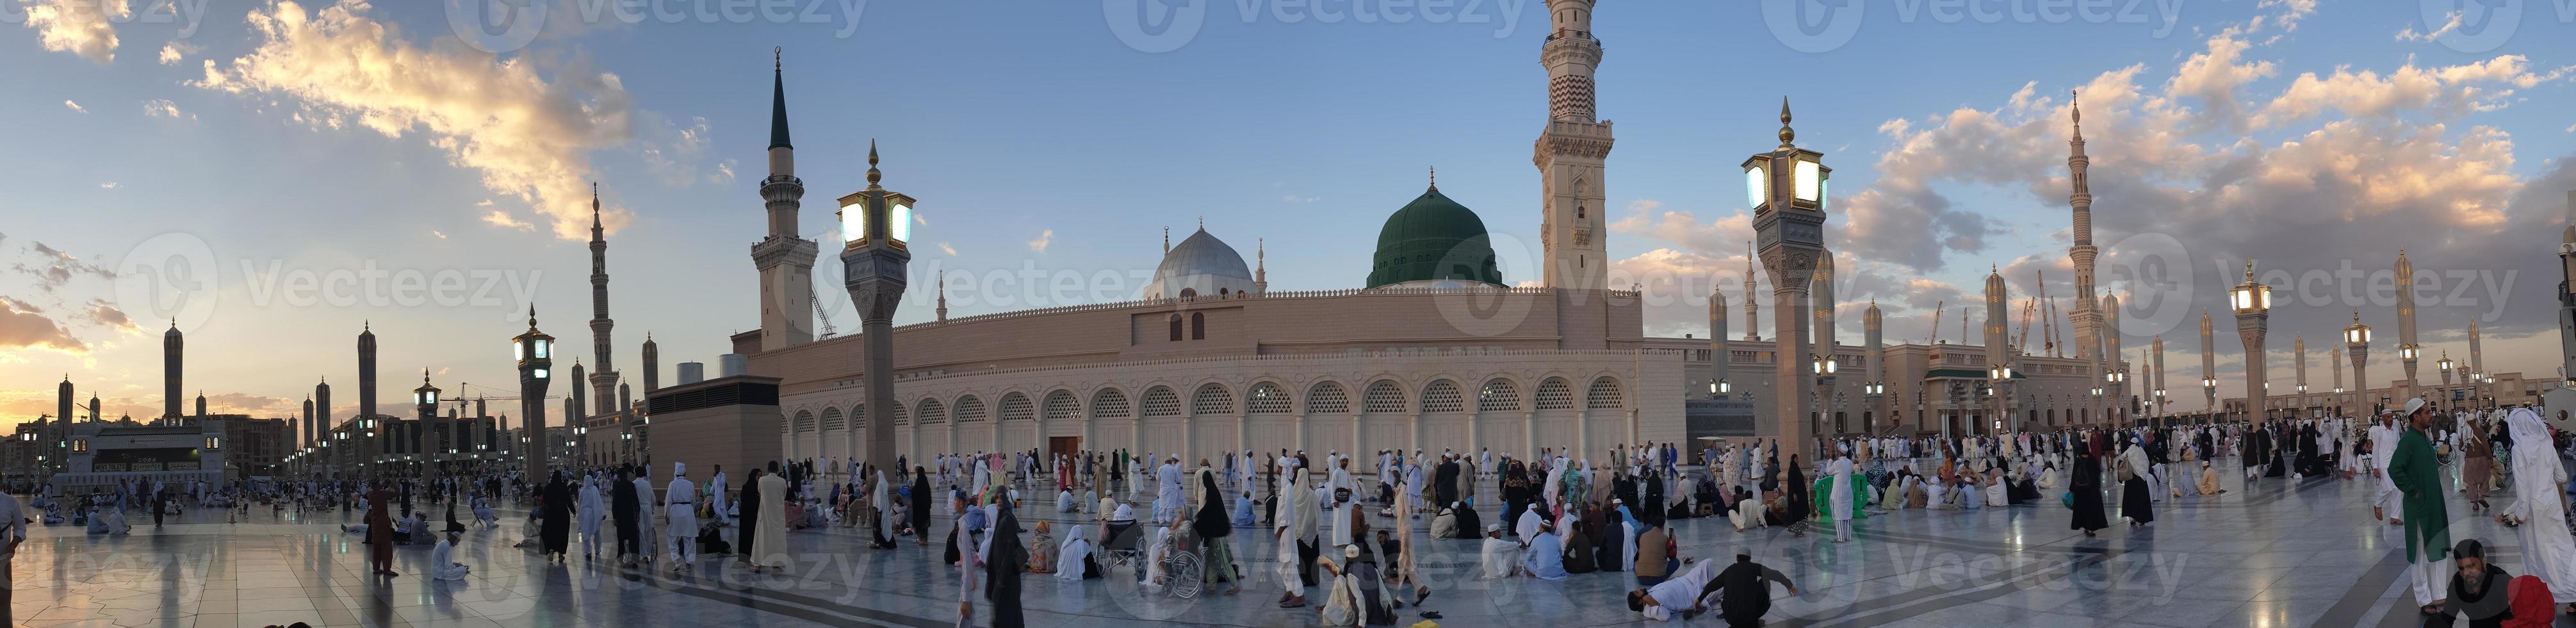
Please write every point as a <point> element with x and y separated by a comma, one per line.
<point>1493,527</point>
<point>679,468</point>
<point>2413,404</point>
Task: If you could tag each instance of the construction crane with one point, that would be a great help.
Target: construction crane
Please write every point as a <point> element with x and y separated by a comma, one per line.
<point>1964,313</point>
<point>1939,308</point>
<point>2021,339</point>
<point>828,331</point>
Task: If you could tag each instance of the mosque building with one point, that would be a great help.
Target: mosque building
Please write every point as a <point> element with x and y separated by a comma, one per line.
<point>1435,350</point>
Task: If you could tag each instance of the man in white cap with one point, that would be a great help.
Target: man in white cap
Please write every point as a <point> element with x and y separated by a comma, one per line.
<point>679,501</point>
<point>647,544</point>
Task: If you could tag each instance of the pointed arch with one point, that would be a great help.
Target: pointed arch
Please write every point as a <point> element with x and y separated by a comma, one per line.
<point>930,412</point>
<point>1555,394</point>
<point>1160,401</point>
<point>1212,399</point>
<point>970,410</point>
<point>1604,394</point>
<point>1265,398</point>
<point>1498,395</point>
<point>1442,395</point>
<point>1328,397</point>
<point>1016,407</point>
<point>1383,397</point>
<point>1061,405</point>
<point>1110,403</point>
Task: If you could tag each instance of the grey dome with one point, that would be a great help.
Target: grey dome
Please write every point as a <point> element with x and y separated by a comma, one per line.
<point>1202,265</point>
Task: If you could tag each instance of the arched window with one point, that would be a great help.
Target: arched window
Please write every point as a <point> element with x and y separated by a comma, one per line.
<point>969,409</point>
<point>1328,398</point>
<point>1604,395</point>
<point>1160,401</point>
<point>1555,394</point>
<point>1211,399</point>
<point>1498,395</point>
<point>1176,327</point>
<point>1016,407</point>
<point>832,420</point>
<point>1198,326</point>
<point>1061,405</point>
<point>1189,293</point>
<point>1383,397</point>
<point>932,412</point>
<point>805,420</point>
<point>1266,398</point>
<point>1443,396</point>
<point>1109,404</point>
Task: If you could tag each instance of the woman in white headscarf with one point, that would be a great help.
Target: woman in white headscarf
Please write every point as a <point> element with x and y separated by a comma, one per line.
<point>2538,511</point>
<point>588,510</point>
<point>1073,554</point>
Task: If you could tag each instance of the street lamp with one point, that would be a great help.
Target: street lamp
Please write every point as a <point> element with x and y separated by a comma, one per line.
<point>535,352</point>
<point>1786,187</point>
<point>2446,367</point>
<point>875,225</point>
<point>1720,387</point>
<point>2253,304</point>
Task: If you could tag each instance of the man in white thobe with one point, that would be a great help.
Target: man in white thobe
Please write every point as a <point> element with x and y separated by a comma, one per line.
<point>679,502</point>
<point>1841,497</point>
<point>2383,444</point>
<point>1286,524</point>
<point>723,508</point>
<point>644,524</point>
<point>442,560</point>
<point>2539,505</point>
<point>1167,483</point>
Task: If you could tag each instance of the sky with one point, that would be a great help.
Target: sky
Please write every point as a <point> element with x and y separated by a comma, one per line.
<point>269,177</point>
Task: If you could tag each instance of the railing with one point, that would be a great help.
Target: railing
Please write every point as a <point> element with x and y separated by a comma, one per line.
<point>1299,294</point>
<point>1470,353</point>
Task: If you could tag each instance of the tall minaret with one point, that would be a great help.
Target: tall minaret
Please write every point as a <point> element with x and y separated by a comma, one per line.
<point>93,406</point>
<point>171,346</point>
<point>652,364</point>
<point>786,262</point>
<point>1260,266</point>
<point>307,434</point>
<point>2338,369</point>
<point>2208,361</point>
<point>2158,380</point>
<point>1570,153</point>
<point>2477,359</point>
<point>367,371</point>
<point>1717,355</point>
<point>603,382</point>
<point>1994,330</point>
<point>2407,350</point>
<point>322,409</point>
<point>942,311</point>
<point>1752,299</point>
<point>579,403</point>
<point>63,405</point>
<point>1873,328</point>
<point>2109,321</point>
<point>2087,319</point>
<point>2299,347</point>
<point>201,404</point>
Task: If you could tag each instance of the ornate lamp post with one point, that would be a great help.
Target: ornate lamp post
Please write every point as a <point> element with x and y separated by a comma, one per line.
<point>2253,304</point>
<point>535,352</point>
<point>1996,376</point>
<point>875,224</point>
<point>2356,341</point>
<point>2446,368</point>
<point>1787,190</point>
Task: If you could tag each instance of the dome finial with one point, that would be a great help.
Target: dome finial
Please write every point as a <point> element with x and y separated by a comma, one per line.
<point>1435,177</point>
<point>1167,240</point>
<point>873,175</point>
<point>1786,135</point>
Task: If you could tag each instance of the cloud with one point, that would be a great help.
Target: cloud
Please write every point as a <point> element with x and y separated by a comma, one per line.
<point>176,51</point>
<point>163,108</point>
<point>2452,23</point>
<point>81,27</point>
<point>75,107</point>
<point>55,268</point>
<point>950,250</point>
<point>104,314</point>
<point>1292,198</point>
<point>2443,92</point>
<point>527,134</point>
<point>108,185</point>
<point>724,172</point>
<point>22,326</point>
<point>503,220</point>
<point>1040,244</point>
<point>254,405</point>
<point>439,234</point>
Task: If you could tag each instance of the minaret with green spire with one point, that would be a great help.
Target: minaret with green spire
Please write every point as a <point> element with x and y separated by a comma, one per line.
<point>786,262</point>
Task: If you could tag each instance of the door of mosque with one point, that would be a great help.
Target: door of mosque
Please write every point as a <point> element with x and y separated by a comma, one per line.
<point>1068,446</point>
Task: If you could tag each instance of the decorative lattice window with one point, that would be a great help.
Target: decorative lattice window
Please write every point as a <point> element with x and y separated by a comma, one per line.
<point>832,419</point>
<point>1555,394</point>
<point>1383,397</point>
<point>1211,399</point>
<point>1328,398</point>
<point>932,412</point>
<point>1443,396</point>
<point>1016,407</point>
<point>1060,405</point>
<point>1604,394</point>
<point>1498,395</point>
<point>1265,398</point>
<point>901,415</point>
<point>805,421</point>
<point>1109,404</point>
<point>859,417</point>
<point>970,410</point>
<point>1160,401</point>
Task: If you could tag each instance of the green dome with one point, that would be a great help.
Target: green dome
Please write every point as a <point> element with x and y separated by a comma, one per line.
<point>1434,239</point>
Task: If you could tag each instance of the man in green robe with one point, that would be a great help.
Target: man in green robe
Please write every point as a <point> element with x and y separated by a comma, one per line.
<point>2418,476</point>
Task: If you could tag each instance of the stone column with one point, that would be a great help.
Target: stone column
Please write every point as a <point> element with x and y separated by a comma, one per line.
<point>1529,433</point>
<point>1300,439</point>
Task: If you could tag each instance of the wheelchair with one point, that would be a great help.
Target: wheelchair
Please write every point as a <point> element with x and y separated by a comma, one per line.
<point>1180,562</point>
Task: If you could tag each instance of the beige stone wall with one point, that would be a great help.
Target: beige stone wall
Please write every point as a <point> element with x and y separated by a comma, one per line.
<point>1459,399</point>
